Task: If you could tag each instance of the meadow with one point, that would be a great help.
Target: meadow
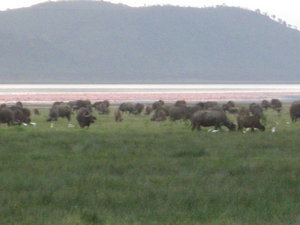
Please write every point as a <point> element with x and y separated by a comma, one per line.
<point>142,172</point>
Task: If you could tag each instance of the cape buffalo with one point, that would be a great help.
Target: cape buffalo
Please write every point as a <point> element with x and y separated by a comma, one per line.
<point>118,115</point>
<point>75,105</point>
<point>159,115</point>
<point>19,104</point>
<point>36,112</point>
<point>102,107</point>
<point>126,107</point>
<point>190,110</point>
<point>276,105</point>
<point>85,117</point>
<point>230,107</point>
<point>246,120</point>
<point>295,111</point>
<point>20,115</point>
<point>57,103</point>
<point>200,104</point>
<point>265,104</point>
<point>157,104</point>
<point>148,110</point>
<point>180,103</point>
<point>210,105</point>
<point>138,108</point>
<point>61,110</point>
<point>257,111</point>
<point>177,112</point>
<point>214,118</point>
<point>3,105</point>
<point>6,116</point>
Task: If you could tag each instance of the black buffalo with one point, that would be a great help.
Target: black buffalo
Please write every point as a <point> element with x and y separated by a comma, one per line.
<point>6,116</point>
<point>85,117</point>
<point>60,110</point>
<point>157,104</point>
<point>276,105</point>
<point>102,107</point>
<point>295,111</point>
<point>246,119</point>
<point>127,107</point>
<point>138,108</point>
<point>20,115</point>
<point>215,118</point>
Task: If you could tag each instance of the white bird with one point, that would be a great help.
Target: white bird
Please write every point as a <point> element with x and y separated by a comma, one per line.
<point>25,124</point>
<point>215,131</point>
<point>33,124</point>
<point>273,129</point>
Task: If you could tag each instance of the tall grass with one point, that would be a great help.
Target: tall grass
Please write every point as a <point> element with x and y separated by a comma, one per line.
<point>142,172</point>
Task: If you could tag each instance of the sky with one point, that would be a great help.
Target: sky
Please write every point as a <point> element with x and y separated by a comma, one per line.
<point>287,10</point>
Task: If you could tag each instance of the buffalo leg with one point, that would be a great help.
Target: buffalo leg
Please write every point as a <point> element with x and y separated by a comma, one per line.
<point>193,126</point>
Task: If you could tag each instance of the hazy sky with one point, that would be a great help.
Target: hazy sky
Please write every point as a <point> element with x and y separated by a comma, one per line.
<point>287,10</point>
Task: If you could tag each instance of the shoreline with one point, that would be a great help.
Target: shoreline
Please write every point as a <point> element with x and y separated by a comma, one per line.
<point>145,97</point>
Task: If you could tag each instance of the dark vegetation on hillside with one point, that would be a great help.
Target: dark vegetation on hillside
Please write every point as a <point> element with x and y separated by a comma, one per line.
<point>107,43</point>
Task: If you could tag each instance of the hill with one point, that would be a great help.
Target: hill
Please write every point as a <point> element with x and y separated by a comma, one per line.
<point>100,42</point>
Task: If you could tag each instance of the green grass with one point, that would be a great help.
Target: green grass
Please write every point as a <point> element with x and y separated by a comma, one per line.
<point>142,172</point>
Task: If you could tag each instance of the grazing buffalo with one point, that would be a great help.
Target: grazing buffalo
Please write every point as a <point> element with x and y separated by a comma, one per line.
<point>60,110</point>
<point>276,105</point>
<point>295,111</point>
<point>19,104</point>
<point>214,118</point>
<point>180,103</point>
<point>3,105</point>
<point>157,104</point>
<point>210,105</point>
<point>265,104</point>
<point>200,104</point>
<point>72,104</point>
<point>257,111</point>
<point>75,105</point>
<point>36,112</point>
<point>6,116</point>
<point>159,115</point>
<point>165,108</point>
<point>230,107</point>
<point>57,103</point>
<point>106,103</point>
<point>118,115</point>
<point>148,110</point>
<point>102,107</point>
<point>233,110</point>
<point>127,107</point>
<point>138,108</point>
<point>20,115</point>
<point>85,117</point>
<point>177,112</point>
<point>190,110</point>
<point>246,120</point>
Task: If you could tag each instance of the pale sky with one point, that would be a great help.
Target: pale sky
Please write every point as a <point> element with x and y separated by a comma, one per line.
<point>287,10</point>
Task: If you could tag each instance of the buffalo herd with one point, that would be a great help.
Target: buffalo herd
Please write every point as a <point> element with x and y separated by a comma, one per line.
<point>202,114</point>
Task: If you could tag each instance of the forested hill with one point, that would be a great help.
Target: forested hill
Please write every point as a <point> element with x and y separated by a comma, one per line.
<point>100,42</point>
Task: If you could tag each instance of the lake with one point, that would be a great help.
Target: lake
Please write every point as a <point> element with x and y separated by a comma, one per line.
<point>46,93</point>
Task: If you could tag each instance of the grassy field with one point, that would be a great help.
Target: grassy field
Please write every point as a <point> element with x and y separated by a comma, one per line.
<point>142,172</point>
